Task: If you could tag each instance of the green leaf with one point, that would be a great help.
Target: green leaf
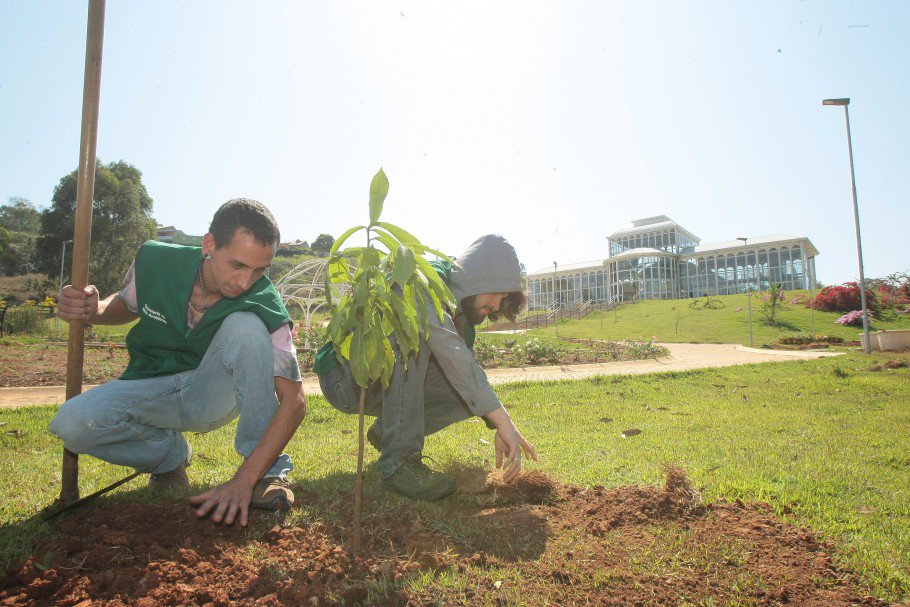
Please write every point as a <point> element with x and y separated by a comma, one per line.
<point>404,265</point>
<point>379,189</point>
<point>399,233</point>
<point>439,289</point>
<point>390,242</point>
<point>370,258</point>
<point>345,348</point>
<point>339,269</point>
<point>344,237</point>
<point>389,366</point>
<point>359,368</point>
<point>438,254</point>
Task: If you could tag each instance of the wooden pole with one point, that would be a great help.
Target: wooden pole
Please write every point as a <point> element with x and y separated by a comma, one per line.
<point>85,191</point>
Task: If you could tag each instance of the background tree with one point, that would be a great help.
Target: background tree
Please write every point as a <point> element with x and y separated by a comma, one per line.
<point>20,225</point>
<point>8,258</point>
<point>323,244</point>
<point>121,221</point>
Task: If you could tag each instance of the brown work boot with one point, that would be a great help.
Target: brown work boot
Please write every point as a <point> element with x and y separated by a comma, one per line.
<point>272,493</point>
<point>174,481</point>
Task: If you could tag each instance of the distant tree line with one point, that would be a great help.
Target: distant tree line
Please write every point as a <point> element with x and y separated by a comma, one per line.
<point>31,239</point>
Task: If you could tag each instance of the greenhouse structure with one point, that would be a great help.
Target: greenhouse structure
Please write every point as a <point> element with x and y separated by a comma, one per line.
<point>659,259</point>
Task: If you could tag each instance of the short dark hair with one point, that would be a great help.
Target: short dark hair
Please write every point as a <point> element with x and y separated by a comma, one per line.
<point>245,214</point>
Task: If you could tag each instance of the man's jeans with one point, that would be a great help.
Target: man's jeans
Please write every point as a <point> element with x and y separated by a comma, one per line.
<point>137,422</point>
<point>417,403</point>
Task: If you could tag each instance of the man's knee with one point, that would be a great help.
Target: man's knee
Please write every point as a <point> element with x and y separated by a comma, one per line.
<point>243,323</point>
<point>245,329</point>
<point>75,428</point>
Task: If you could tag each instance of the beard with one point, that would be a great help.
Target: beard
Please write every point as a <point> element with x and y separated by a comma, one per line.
<point>470,311</point>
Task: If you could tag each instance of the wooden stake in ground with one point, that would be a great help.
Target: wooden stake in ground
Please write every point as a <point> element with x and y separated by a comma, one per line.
<point>85,191</point>
<point>389,293</point>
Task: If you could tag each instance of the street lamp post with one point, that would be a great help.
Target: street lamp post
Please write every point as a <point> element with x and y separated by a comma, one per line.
<point>749,291</point>
<point>859,246</point>
<point>812,303</point>
<point>62,258</point>
<point>555,308</point>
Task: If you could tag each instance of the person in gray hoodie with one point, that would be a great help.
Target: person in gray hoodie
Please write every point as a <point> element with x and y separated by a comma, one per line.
<point>443,384</point>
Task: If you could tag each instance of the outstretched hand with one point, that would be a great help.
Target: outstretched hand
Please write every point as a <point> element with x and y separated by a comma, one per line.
<point>509,445</point>
<point>224,502</point>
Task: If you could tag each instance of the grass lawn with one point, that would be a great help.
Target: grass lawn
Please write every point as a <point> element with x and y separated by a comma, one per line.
<point>824,442</point>
<point>674,321</point>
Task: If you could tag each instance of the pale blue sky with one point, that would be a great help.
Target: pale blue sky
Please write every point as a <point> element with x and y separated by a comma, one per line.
<point>552,123</point>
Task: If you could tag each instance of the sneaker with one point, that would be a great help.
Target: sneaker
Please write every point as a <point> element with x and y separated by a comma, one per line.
<point>373,438</point>
<point>174,481</point>
<point>272,493</point>
<point>416,480</point>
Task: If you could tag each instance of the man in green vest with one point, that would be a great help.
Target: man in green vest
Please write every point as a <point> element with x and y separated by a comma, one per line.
<point>213,343</point>
<point>444,384</point>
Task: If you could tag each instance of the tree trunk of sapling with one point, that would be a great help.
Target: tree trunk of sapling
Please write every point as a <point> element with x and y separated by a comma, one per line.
<point>358,480</point>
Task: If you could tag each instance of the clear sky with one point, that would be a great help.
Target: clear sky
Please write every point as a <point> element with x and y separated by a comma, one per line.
<point>553,123</point>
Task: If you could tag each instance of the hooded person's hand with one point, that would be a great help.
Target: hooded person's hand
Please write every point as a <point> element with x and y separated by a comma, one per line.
<point>510,444</point>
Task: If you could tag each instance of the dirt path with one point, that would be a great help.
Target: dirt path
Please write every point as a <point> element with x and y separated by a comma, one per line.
<point>683,357</point>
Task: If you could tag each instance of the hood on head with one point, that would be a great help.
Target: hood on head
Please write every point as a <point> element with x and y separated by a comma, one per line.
<point>489,265</point>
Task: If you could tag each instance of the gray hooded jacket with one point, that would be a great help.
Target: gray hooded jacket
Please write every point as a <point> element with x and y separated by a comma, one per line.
<point>489,265</point>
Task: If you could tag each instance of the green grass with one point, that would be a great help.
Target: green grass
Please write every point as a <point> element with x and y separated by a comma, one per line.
<point>675,321</point>
<point>823,441</point>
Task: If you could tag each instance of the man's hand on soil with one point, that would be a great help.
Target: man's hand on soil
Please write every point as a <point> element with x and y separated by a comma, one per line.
<point>510,444</point>
<point>224,502</point>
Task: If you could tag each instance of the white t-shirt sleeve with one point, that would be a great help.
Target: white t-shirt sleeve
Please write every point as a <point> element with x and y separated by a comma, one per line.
<point>284,354</point>
<point>128,292</point>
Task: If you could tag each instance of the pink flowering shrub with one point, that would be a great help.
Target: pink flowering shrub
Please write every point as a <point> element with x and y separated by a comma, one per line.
<point>852,319</point>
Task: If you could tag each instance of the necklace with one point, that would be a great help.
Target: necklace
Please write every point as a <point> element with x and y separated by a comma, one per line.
<point>205,297</point>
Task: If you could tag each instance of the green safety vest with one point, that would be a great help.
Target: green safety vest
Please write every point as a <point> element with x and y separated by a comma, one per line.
<point>326,359</point>
<point>162,343</point>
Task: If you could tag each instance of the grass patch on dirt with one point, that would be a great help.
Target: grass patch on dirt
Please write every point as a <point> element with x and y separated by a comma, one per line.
<point>674,321</point>
<point>802,445</point>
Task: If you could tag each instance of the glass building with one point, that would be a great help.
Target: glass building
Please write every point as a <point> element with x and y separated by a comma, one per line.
<point>659,259</point>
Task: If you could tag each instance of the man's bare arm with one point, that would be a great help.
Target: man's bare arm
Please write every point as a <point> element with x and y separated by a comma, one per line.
<point>228,500</point>
<point>84,305</point>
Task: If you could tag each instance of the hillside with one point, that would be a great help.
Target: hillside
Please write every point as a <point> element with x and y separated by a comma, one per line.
<point>676,321</point>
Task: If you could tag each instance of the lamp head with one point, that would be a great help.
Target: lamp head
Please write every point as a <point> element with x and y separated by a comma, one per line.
<point>845,101</point>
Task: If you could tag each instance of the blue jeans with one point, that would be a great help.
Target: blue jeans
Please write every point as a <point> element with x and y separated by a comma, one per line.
<point>417,403</point>
<point>138,422</point>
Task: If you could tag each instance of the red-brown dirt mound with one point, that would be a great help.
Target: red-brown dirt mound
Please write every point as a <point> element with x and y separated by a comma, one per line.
<point>608,509</point>
<point>562,544</point>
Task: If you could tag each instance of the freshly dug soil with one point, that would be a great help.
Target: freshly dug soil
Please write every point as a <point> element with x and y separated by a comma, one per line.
<point>563,544</point>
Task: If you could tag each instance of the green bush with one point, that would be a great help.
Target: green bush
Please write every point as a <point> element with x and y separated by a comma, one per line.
<point>795,339</point>
<point>27,318</point>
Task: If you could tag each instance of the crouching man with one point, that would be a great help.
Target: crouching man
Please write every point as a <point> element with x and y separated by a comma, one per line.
<point>213,343</point>
<point>444,384</point>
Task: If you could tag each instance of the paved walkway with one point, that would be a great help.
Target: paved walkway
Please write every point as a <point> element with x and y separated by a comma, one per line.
<point>682,357</point>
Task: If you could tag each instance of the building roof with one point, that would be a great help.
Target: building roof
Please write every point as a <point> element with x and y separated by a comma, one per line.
<point>642,252</point>
<point>652,224</point>
<point>568,268</point>
<point>758,241</point>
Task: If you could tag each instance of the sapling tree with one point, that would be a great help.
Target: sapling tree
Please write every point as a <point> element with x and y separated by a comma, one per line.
<point>391,287</point>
